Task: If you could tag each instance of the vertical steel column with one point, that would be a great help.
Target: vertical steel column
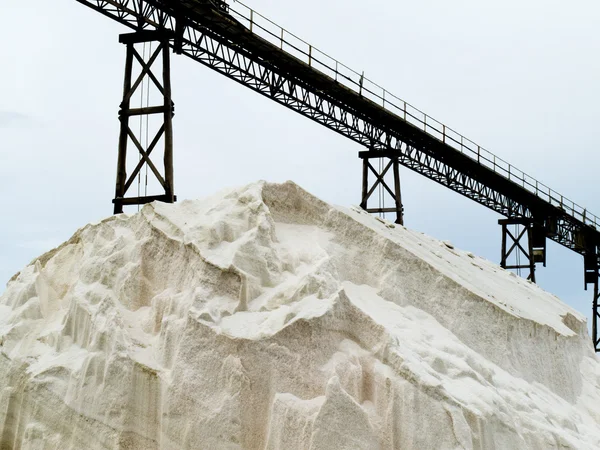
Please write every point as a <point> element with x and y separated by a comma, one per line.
<point>367,191</point>
<point>530,252</point>
<point>168,118</point>
<point>595,314</point>
<point>398,199</point>
<point>365,184</point>
<point>166,109</point>
<point>503,255</point>
<point>123,134</point>
<point>591,262</point>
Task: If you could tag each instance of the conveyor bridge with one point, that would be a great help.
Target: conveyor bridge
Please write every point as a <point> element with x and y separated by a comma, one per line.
<point>246,47</point>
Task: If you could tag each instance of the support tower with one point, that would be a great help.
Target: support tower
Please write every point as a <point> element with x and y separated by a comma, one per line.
<point>165,110</point>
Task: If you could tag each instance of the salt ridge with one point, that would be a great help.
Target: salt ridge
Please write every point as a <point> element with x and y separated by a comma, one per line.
<point>263,317</point>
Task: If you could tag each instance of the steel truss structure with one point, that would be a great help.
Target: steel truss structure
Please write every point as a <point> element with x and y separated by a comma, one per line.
<point>368,191</point>
<point>166,110</point>
<point>536,245</point>
<point>278,67</point>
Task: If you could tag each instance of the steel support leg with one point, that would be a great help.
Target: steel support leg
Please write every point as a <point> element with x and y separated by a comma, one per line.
<point>533,252</point>
<point>591,276</point>
<point>368,190</point>
<point>165,132</point>
<point>595,315</point>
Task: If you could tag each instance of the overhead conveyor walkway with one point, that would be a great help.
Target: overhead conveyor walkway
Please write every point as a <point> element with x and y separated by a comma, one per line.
<point>244,46</point>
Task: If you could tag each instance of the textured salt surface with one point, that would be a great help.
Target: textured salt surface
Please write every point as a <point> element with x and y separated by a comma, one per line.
<point>264,318</point>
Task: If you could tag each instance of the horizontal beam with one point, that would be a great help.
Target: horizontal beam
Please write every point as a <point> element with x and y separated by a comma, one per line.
<point>143,200</point>
<point>516,221</point>
<point>371,154</point>
<point>144,111</point>
<point>381,210</point>
<point>146,36</point>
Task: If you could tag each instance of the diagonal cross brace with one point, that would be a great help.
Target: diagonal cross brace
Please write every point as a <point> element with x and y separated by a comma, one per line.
<point>380,180</point>
<point>517,243</point>
<point>145,158</point>
<point>146,71</point>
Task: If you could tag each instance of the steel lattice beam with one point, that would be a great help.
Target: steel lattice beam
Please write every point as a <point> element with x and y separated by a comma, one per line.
<point>221,43</point>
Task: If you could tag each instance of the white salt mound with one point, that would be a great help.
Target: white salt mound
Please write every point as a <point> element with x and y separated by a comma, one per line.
<point>264,318</point>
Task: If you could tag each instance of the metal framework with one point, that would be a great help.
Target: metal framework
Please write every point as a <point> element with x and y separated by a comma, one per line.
<point>368,191</point>
<point>246,47</point>
<point>535,250</point>
<point>166,110</point>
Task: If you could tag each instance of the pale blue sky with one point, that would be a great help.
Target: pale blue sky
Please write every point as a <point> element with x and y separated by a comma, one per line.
<point>520,78</point>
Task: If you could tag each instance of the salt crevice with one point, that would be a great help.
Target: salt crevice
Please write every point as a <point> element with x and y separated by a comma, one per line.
<point>264,318</point>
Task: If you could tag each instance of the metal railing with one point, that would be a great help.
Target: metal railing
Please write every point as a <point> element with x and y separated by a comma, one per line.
<point>318,60</point>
